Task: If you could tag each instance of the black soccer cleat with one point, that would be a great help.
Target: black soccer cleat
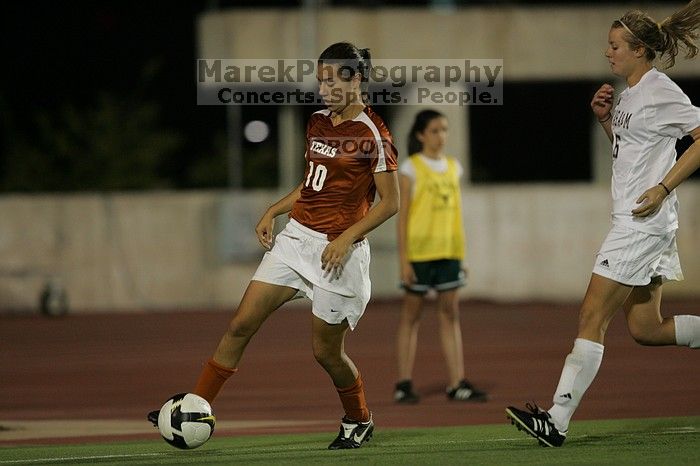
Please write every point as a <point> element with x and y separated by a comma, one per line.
<point>404,393</point>
<point>352,434</point>
<point>465,391</point>
<point>536,423</point>
<point>153,417</point>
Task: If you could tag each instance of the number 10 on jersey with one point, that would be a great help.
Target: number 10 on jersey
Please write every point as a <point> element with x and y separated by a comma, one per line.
<point>317,176</point>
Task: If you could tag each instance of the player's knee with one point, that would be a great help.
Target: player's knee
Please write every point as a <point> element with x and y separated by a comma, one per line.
<point>643,335</point>
<point>449,312</point>
<point>240,328</point>
<point>325,355</point>
<point>411,316</point>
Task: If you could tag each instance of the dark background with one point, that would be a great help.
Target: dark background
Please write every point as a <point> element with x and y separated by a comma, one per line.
<point>101,96</point>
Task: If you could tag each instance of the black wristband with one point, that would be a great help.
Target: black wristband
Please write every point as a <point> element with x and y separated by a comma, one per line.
<point>664,186</point>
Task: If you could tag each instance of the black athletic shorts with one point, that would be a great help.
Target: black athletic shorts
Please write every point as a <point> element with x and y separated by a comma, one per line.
<point>441,275</point>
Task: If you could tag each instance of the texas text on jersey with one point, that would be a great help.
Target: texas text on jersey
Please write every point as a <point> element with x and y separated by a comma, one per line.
<point>338,187</point>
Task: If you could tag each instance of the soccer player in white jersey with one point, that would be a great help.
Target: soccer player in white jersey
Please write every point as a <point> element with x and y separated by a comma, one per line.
<point>640,252</point>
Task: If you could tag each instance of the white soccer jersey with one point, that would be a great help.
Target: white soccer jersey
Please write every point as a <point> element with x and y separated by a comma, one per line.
<point>649,117</point>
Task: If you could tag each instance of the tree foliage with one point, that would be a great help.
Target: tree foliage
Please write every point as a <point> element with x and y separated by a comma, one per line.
<point>113,143</point>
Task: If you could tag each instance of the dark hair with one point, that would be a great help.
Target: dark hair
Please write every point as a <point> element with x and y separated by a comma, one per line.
<point>351,60</point>
<point>421,122</point>
<point>664,37</point>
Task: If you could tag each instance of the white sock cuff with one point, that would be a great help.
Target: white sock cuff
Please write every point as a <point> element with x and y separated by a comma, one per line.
<point>582,346</point>
<point>687,330</point>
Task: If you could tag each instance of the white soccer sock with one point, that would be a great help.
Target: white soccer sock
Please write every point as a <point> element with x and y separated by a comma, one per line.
<point>580,369</point>
<point>687,331</point>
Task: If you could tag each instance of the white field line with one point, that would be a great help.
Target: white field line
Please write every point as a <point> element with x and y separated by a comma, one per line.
<point>522,438</point>
<point>79,458</point>
<point>27,430</point>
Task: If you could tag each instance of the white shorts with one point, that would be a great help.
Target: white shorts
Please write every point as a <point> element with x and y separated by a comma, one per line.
<point>632,257</point>
<point>295,261</point>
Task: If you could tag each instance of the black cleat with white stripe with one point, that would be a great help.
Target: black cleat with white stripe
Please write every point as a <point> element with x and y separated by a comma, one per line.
<point>536,423</point>
<point>353,434</point>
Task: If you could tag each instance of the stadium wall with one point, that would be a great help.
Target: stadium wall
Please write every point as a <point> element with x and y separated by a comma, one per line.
<point>197,249</point>
<point>535,42</point>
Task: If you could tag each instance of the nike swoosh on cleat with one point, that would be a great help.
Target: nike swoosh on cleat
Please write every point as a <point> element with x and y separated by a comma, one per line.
<point>360,438</point>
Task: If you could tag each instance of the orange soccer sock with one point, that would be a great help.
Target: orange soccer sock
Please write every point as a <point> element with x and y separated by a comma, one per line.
<point>353,399</point>
<point>211,379</point>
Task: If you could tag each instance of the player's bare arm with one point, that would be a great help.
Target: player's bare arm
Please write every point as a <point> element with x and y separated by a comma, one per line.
<point>388,189</point>
<point>601,104</point>
<point>408,275</point>
<point>652,198</point>
<point>266,225</point>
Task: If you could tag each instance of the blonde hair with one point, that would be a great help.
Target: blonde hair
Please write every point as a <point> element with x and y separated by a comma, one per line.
<point>666,37</point>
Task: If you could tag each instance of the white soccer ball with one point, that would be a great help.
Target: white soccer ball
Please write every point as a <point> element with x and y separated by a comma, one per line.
<point>186,421</point>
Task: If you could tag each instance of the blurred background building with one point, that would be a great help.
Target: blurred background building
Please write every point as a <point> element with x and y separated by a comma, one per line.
<point>118,187</point>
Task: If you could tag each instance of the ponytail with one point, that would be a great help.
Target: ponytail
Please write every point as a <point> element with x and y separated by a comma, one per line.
<point>682,26</point>
<point>365,65</point>
<point>666,37</point>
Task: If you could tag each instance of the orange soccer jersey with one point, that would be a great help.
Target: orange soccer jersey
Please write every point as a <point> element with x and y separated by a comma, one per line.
<point>338,185</point>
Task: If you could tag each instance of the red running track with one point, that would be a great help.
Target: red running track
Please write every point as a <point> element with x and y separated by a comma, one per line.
<point>120,366</point>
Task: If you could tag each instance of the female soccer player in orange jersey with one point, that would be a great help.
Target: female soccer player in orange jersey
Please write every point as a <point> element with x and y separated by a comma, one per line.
<point>322,253</point>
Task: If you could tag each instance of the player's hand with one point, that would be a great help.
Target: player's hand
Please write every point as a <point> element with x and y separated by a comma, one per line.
<point>333,256</point>
<point>651,201</point>
<point>602,101</point>
<point>408,275</point>
<point>264,229</point>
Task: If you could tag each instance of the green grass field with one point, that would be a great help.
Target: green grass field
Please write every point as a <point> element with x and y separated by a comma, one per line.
<point>660,441</point>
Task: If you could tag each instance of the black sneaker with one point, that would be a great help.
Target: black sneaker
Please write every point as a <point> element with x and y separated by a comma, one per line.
<point>465,391</point>
<point>153,417</point>
<point>404,393</point>
<point>352,434</point>
<point>536,423</point>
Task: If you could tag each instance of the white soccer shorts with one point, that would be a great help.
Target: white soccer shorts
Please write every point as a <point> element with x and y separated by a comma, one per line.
<point>295,261</point>
<point>632,257</point>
